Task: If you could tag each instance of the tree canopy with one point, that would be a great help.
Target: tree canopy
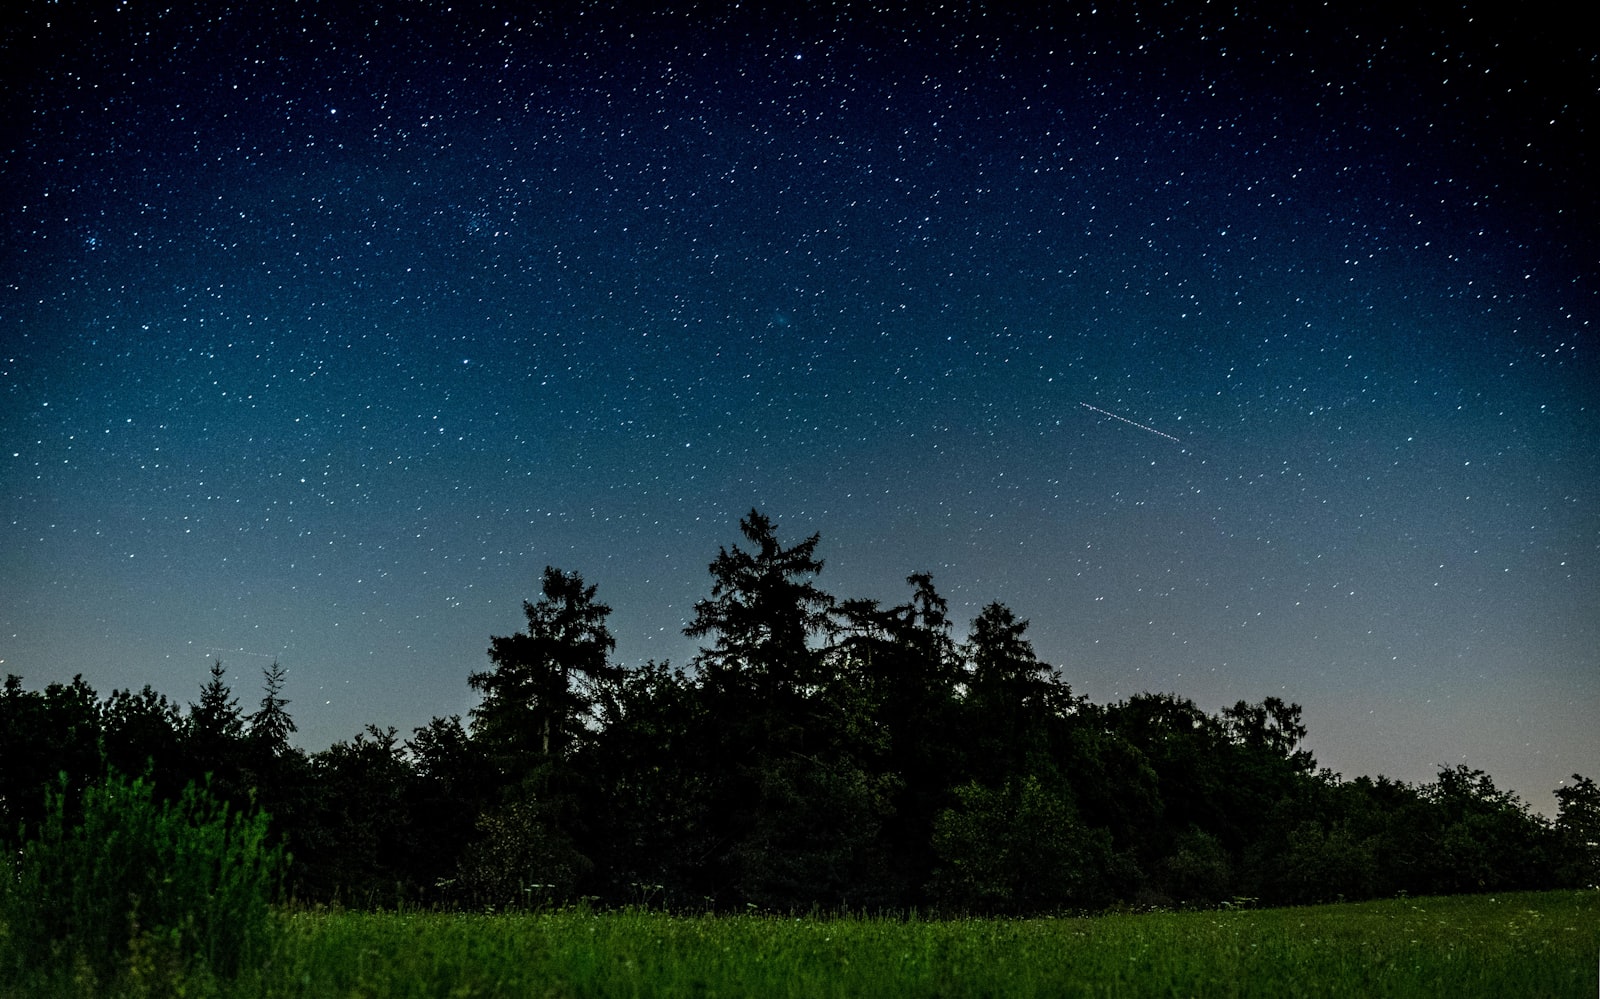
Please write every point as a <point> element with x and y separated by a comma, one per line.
<point>817,752</point>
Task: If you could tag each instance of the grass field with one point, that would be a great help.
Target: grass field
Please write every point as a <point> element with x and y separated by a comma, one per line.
<point>1544,944</point>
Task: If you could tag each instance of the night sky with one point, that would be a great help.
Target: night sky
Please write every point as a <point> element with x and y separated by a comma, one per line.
<point>1243,354</point>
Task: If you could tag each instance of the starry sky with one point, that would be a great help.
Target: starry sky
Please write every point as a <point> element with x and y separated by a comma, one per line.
<point>1244,352</point>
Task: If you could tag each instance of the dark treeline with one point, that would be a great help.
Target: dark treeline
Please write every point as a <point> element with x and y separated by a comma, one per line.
<point>822,753</point>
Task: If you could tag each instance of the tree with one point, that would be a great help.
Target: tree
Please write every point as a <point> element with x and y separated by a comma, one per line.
<point>646,797</point>
<point>1578,828</point>
<point>354,841</point>
<point>450,786</point>
<point>815,838</point>
<point>763,612</point>
<point>44,734</point>
<point>1195,870</point>
<point>1115,786</point>
<point>521,859</point>
<point>216,719</point>
<point>1272,727</point>
<point>1325,864</point>
<point>1486,838</point>
<point>1002,659</point>
<point>796,788</point>
<point>909,672</point>
<point>1012,697</point>
<point>1020,848</point>
<point>904,653</point>
<point>140,732</point>
<point>543,685</point>
<point>277,771</point>
<point>213,738</point>
<point>270,725</point>
<point>538,710</point>
<point>1270,790</point>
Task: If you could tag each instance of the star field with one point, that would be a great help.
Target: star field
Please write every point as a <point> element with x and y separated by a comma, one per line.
<point>324,330</point>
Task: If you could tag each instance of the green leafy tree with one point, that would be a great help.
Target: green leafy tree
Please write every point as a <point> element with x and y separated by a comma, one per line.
<point>1115,785</point>
<point>1186,749</point>
<point>142,733</point>
<point>216,725</point>
<point>353,841</point>
<point>1196,869</point>
<point>1326,863</point>
<point>815,840</point>
<point>797,790</point>
<point>1272,728</point>
<point>278,771</point>
<point>522,858</point>
<point>1019,848</point>
<point>1486,839</point>
<point>1578,831</point>
<point>648,789</point>
<point>1271,791</point>
<point>907,667</point>
<point>44,734</point>
<point>537,714</point>
<point>1401,825</point>
<point>451,784</point>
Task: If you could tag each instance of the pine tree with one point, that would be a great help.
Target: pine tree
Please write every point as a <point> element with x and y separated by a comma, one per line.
<point>271,725</point>
<point>543,685</point>
<point>763,611</point>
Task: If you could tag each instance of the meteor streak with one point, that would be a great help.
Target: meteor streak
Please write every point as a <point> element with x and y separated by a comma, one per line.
<point>1130,423</point>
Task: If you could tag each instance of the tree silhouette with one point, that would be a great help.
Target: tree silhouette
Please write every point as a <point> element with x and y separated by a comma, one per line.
<point>762,612</point>
<point>215,720</point>
<point>817,752</point>
<point>213,738</point>
<point>544,682</point>
<point>1578,827</point>
<point>271,725</point>
<point>141,732</point>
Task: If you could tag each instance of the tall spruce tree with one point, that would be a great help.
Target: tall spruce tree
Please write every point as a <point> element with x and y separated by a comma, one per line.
<point>215,718</point>
<point>763,612</point>
<point>213,738</point>
<point>538,710</point>
<point>543,685</point>
<point>271,725</point>
<point>799,798</point>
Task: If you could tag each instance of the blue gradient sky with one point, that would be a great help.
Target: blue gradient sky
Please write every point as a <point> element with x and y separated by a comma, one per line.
<point>323,331</point>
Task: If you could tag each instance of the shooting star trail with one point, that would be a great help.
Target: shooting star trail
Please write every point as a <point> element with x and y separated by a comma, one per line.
<point>1131,423</point>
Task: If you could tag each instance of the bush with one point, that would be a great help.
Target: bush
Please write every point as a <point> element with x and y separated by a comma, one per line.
<point>104,886</point>
<point>1018,850</point>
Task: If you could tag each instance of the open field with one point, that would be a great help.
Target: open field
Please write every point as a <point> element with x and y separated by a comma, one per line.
<point>1543,944</point>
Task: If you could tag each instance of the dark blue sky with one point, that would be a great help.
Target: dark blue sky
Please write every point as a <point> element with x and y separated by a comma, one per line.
<point>324,330</point>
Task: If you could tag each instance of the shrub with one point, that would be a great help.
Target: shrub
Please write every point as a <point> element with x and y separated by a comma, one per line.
<point>104,884</point>
<point>1019,849</point>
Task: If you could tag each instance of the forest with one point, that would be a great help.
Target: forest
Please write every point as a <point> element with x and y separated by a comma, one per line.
<point>820,754</point>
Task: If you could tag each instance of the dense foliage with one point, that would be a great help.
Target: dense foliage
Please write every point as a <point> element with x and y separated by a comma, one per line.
<point>114,879</point>
<point>820,753</point>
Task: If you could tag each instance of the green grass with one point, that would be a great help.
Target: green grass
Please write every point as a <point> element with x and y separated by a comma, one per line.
<point>1543,944</point>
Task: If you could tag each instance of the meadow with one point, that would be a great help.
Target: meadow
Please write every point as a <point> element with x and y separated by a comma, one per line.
<point>1526,944</point>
